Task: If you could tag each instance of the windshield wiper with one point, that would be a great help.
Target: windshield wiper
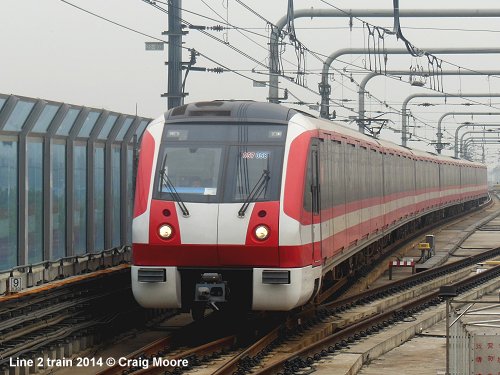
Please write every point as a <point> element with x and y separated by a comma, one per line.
<point>257,190</point>
<point>177,198</point>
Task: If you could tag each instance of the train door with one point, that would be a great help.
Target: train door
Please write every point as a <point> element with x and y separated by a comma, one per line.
<point>353,192</point>
<point>338,195</point>
<point>377,190</point>
<point>326,188</point>
<point>316,202</point>
<point>365,184</point>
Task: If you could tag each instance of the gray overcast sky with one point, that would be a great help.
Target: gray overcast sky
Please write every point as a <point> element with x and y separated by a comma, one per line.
<point>53,51</point>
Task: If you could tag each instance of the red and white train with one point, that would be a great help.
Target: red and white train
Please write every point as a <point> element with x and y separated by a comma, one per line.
<point>255,203</point>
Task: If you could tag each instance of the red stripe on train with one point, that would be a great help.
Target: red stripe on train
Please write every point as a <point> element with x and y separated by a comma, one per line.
<point>144,172</point>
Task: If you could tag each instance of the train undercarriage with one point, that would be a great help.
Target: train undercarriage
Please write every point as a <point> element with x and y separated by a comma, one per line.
<point>359,264</point>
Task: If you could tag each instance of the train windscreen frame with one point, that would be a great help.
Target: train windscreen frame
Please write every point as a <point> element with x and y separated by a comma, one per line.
<point>220,163</point>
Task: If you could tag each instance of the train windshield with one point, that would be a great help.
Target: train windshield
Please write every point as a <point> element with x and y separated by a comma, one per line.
<point>248,164</point>
<point>224,167</point>
<point>191,170</point>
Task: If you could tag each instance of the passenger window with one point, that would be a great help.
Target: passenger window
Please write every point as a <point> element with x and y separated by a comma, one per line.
<point>311,188</point>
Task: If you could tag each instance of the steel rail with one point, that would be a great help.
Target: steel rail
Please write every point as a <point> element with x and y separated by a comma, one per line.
<point>36,318</point>
<point>62,331</point>
<point>246,360</point>
<point>72,259</point>
<point>34,304</point>
<point>155,348</point>
<point>51,321</point>
<point>172,342</point>
<point>341,339</point>
<point>325,295</point>
<point>80,306</point>
<point>411,281</point>
<point>249,357</point>
<point>253,350</point>
<point>212,348</point>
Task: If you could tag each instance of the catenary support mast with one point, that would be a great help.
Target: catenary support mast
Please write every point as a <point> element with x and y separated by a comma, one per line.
<point>174,94</point>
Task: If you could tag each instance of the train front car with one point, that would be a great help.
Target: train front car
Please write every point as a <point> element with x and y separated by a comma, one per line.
<point>207,211</point>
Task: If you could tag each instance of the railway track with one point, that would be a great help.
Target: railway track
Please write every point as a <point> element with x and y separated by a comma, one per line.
<point>218,335</point>
<point>377,266</point>
<point>32,322</point>
<point>335,323</point>
<point>306,357</point>
<point>329,321</point>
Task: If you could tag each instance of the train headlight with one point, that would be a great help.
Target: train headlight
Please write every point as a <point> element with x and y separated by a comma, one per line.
<point>165,231</point>
<point>261,232</point>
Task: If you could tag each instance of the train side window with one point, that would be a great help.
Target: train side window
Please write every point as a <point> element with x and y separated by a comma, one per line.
<point>307,188</point>
<point>441,176</point>
<point>363,171</point>
<point>418,164</point>
<point>352,187</point>
<point>325,181</point>
<point>400,172</point>
<point>389,172</point>
<point>311,188</point>
<point>376,174</point>
<point>385,167</point>
<point>338,174</point>
<point>315,186</point>
<point>404,166</point>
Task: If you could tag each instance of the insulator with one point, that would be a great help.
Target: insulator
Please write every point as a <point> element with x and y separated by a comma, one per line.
<point>217,70</point>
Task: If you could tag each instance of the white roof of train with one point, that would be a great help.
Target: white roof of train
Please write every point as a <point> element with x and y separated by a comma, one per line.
<point>352,133</point>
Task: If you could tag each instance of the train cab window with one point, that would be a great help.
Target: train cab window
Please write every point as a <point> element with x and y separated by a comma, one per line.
<point>192,171</point>
<point>220,163</point>
<point>253,167</point>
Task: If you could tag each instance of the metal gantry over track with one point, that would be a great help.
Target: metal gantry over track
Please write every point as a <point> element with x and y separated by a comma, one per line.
<point>274,40</point>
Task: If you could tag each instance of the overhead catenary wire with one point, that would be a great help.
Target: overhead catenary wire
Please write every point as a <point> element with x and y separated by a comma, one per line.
<point>156,38</point>
<point>240,30</point>
<point>235,71</point>
<point>426,53</point>
<point>319,55</point>
<point>313,53</point>
<point>228,45</point>
<point>410,46</point>
<point>228,69</point>
<point>113,22</point>
<point>398,78</point>
<point>237,49</point>
<point>228,25</point>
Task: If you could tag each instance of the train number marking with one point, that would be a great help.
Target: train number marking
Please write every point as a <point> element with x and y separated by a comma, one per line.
<point>255,155</point>
<point>15,284</point>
